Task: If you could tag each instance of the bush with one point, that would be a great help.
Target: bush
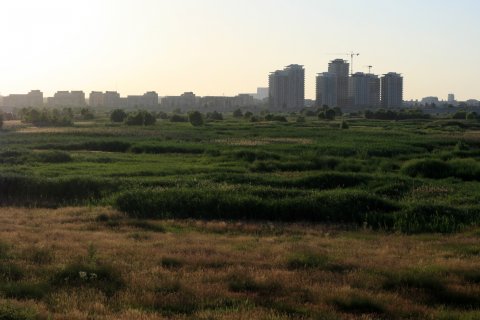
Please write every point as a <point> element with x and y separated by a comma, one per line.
<point>214,116</point>
<point>9,311</point>
<point>344,125</point>
<point>101,277</point>
<point>237,113</point>
<point>427,168</point>
<point>171,263</point>
<point>53,156</point>
<point>195,118</point>
<point>307,260</point>
<point>359,304</point>
<point>344,206</point>
<point>178,118</point>
<point>24,291</point>
<point>118,115</point>
<point>426,217</point>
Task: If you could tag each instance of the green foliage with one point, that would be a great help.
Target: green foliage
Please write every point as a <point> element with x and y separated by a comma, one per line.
<point>10,272</point>
<point>214,116</point>
<point>118,115</point>
<point>425,217</point>
<point>178,118</point>
<point>54,156</point>
<point>140,118</point>
<point>10,311</point>
<point>24,290</point>
<point>86,114</point>
<point>47,117</point>
<point>237,113</point>
<point>347,206</point>
<point>245,283</point>
<point>358,304</point>
<point>195,118</point>
<point>344,125</point>
<point>307,260</point>
<point>427,168</point>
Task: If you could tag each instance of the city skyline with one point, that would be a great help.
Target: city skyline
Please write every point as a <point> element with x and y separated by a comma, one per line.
<point>224,48</point>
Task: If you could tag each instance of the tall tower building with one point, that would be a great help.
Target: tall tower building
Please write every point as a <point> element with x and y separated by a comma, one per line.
<point>326,93</point>
<point>286,88</point>
<point>364,90</point>
<point>392,90</point>
<point>340,68</point>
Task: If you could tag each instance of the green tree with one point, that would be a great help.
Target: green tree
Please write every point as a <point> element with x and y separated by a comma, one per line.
<point>140,118</point>
<point>118,115</point>
<point>195,118</point>
<point>237,113</point>
<point>330,114</point>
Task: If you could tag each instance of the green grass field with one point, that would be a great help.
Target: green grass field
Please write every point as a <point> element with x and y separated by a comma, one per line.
<point>239,219</point>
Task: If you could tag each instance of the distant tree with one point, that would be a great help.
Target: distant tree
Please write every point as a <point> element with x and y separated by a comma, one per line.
<point>280,119</point>
<point>162,115</point>
<point>472,116</point>
<point>300,119</point>
<point>178,118</point>
<point>86,114</point>
<point>330,114</point>
<point>248,115</point>
<point>118,115</point>
<point>344,125</point>
<point>1,121</point>
<point>214,116</point>
<point>195,118</point>
<point>237,113</point>
<point>460,115</point>
<point>338,111</point>
<point>140,118</point>
<point>254,119</point>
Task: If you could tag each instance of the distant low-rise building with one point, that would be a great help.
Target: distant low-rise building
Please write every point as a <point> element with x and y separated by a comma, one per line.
<point>96,99</point>
<point>68,99</point>
<point>147,100</point>
<point>32,99</point>
<point>428,101</point>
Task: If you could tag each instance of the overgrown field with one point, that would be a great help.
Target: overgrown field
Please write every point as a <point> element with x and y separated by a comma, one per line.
<point>95,263</point>
<point>409,176</point>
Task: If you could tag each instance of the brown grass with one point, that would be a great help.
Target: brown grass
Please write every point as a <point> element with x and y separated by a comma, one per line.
<point>232,270</point>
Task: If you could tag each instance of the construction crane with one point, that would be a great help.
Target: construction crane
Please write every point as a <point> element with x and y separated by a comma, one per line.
<point>369,69</point>
<point>352,55</point>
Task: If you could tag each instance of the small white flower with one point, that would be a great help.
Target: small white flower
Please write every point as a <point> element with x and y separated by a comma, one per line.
<point>93,276</point>
<point>82,274</point>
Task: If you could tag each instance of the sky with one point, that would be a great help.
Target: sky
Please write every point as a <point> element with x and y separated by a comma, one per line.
<point>226,47</point>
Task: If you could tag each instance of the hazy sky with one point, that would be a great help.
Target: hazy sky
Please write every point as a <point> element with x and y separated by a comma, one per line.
<point>216,47</point>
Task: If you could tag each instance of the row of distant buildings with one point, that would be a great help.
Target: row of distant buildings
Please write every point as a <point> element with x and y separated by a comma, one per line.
<point>112,99</point>
<point>335,88</point>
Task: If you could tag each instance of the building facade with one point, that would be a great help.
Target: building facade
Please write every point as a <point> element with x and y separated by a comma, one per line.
<point>68,99</point>
<point>364,90</point>
<point>326,89</point>
<point>340,68</point>
<point>32,99</point>
<point>286,88</point>
<point>392,90</point>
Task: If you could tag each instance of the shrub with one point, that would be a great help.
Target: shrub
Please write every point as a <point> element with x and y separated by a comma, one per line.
<point>347,206</point>
<point>195,118</point>
<point>237,113</point>
<point>427,168</point>
<point>118,115</point>
<point>359,304</point>
<point>307,260</point>
<point>171,263</point>
<point>178,118</point>
<point>214,116</point>
<point>101,277</point>
<point>427,217</point>
<point>55,156</point>
<point>11,272</point>
<point>344,125</point>
<point>24,291</point>
<point>10,311</point>
<point>245,283</point>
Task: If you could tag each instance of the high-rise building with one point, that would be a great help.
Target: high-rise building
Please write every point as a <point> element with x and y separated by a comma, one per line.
<point>326,93</point>
<point>364,90</point>
<point>392,90</point>
<point>451,98</point>
<point>340,68</point>
<point>286,88</point>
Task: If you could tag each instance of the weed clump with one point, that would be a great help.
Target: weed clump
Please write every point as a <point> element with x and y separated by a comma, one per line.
<point>101,277</point>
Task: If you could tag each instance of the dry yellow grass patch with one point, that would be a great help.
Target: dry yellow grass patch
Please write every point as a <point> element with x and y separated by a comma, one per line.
<point>228,270</point>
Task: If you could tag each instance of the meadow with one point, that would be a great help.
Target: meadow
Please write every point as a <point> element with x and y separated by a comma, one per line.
<point>313,219</point>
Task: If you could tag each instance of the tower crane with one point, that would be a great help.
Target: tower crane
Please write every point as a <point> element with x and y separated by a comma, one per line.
<point>369,69</point>
<point>351,54</point>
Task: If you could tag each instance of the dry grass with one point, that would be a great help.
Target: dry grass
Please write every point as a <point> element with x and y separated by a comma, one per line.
<point>223,270</point>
